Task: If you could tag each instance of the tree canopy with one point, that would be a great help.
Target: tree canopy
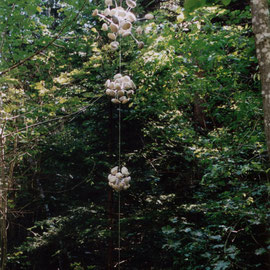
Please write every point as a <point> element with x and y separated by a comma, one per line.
<point>192,137</point>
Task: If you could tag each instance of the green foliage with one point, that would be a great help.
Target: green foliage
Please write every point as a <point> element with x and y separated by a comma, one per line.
<point>192,138</point>
<point>191,5</point>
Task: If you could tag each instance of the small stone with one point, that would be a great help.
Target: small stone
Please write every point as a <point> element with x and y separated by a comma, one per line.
<point>95,12</point>
<point>139,30</point>
<point>124,171</point>
<point>130,93</point>
<point>140,44</point>
<point>131,4</point>
<point>114,170</point>
<point>126,25</point>
<point>125,101</point>
<point>115,19</point>
<point>126,33</point>
<point>115,101</point>
<point>122,13</point>
<point>131,17</point>
<point>112,85</point>
<point>117,76</point>
<point>112,36</point>
<point>108,2</point>
<point>149,16</point>
<point>119,175</point>
<point>120,94</point>
<point>114,45</point>
<point>107,12</point>
<point>127,179</point>
<point>114,28</point>
<point>117,86</point>
<point>122,98</point>
<point>112,178</point>
<point>127,78</point>
<point>107,83</point>
<point>113,12</point>
<point>104,27</point>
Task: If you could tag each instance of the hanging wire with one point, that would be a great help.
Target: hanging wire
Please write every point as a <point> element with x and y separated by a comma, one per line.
<point>119,148</point>
<point>119,229</point>
<point>119,136</point>
<point>119,108</point>
<point>119,193</point>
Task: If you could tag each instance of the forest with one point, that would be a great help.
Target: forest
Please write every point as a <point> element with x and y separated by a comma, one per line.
<point>193,133</point>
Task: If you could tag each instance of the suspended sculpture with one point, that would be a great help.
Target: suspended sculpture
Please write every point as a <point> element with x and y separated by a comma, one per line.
<point>119,21</point>
<point>121,89</point>
<point>119,179</point>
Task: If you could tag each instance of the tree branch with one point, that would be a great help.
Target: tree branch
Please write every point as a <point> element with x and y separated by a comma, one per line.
<point>54,119</point>
<point>45,47</point>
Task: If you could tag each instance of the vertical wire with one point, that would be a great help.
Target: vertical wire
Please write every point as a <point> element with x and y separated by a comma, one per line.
<point>119,193</point>
<point>119,108</point>
<point>119,136</point>
<point>119,229</point>
<point>119,148</point>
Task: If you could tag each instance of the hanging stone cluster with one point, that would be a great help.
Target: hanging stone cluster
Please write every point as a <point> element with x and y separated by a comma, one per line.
<point>119,21</point>
<point>121,89</point>
<point>119,179</point>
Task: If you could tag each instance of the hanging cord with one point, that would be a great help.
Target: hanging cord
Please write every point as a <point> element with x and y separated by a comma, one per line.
<point>119,229</point>
<point>119,108</point>
<point>119,162</point>
<point>119,136</point>
<point>119,193</point>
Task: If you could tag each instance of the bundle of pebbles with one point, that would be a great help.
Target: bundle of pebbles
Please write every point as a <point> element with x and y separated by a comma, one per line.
<point>119,21</point>
<point>121,89</point>
<point>119,179</point>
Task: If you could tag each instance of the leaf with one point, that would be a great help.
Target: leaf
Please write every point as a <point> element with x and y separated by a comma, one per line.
<point>260,251</point>
<point>206,255</point>
<point>180,17</point>
<point>218,246</point>
<point>168,230</point>
<point>226,2</point>
<point>231,249</point>
<point>39,9</point>
<point>187,230</point>
<point>191,5</point>
<point>215,237</point>
<point>222,265</point>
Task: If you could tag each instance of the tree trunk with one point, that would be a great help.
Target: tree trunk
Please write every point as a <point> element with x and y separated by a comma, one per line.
<point>261,29</point>
<point>3,206</point>
<point>3,193</point>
